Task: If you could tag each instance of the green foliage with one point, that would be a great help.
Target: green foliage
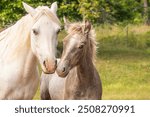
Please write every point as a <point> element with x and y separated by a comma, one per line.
<point>89,9</point>
<point>97,11</point>
<point>127,9</point>
<point>10,12</point>
<point>69,8</point>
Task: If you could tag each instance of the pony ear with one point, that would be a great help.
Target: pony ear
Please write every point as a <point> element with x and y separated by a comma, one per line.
<point>67,23</point>
<point>29,9</point>
<point>87,27</point>
<point>54,7</point>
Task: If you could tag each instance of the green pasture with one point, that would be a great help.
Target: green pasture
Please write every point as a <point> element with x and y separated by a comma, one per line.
<point>123,61</point>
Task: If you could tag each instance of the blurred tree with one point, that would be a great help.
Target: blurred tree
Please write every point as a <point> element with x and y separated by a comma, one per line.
<point>69,8</point>
<point>97,11</point>
<point>10,12</point>
<point>89,9</point>
<point>146,12</point>
<point>123,10</point>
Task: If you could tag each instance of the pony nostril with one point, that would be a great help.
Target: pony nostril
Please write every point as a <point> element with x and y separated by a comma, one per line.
<point>63,69</point>
<point>44,63</point>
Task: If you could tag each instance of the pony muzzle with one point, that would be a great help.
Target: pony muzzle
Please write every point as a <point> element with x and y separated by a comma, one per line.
<point>49,67</point>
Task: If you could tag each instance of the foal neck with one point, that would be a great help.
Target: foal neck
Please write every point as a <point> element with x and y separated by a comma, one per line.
<point>85,69</point>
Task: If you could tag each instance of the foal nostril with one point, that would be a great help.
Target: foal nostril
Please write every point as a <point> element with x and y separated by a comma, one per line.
<point>63,69</point>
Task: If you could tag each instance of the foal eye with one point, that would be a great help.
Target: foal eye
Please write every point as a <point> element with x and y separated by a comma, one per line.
<point>81,46</point>
<point>35,31</point>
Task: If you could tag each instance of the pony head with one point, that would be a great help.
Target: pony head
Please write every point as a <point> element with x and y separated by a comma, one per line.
<point>43,35</point>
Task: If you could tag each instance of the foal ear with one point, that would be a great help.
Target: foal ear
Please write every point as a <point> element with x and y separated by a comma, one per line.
<point>54,7</point>
<point>29,9</point>
<point>67,23</point>
<point>87,27</point>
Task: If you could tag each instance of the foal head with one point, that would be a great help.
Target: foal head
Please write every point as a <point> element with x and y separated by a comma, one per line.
<point>75,46</point>
<point>43,35</point>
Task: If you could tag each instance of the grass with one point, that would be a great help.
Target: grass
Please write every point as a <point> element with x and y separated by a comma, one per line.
<point>125,77</point>
<point>123,61</point>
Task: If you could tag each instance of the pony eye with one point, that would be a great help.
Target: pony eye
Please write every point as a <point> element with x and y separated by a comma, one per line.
<point>58,31</point>
<point>35,32</point>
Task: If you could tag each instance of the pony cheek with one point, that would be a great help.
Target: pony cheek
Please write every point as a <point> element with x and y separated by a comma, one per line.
<point>34,49</point>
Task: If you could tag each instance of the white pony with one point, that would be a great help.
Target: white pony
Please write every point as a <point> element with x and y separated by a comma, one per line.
<point>33,38</point>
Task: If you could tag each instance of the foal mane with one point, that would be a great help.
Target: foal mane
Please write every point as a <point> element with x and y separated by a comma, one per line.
<point>78,27</point>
